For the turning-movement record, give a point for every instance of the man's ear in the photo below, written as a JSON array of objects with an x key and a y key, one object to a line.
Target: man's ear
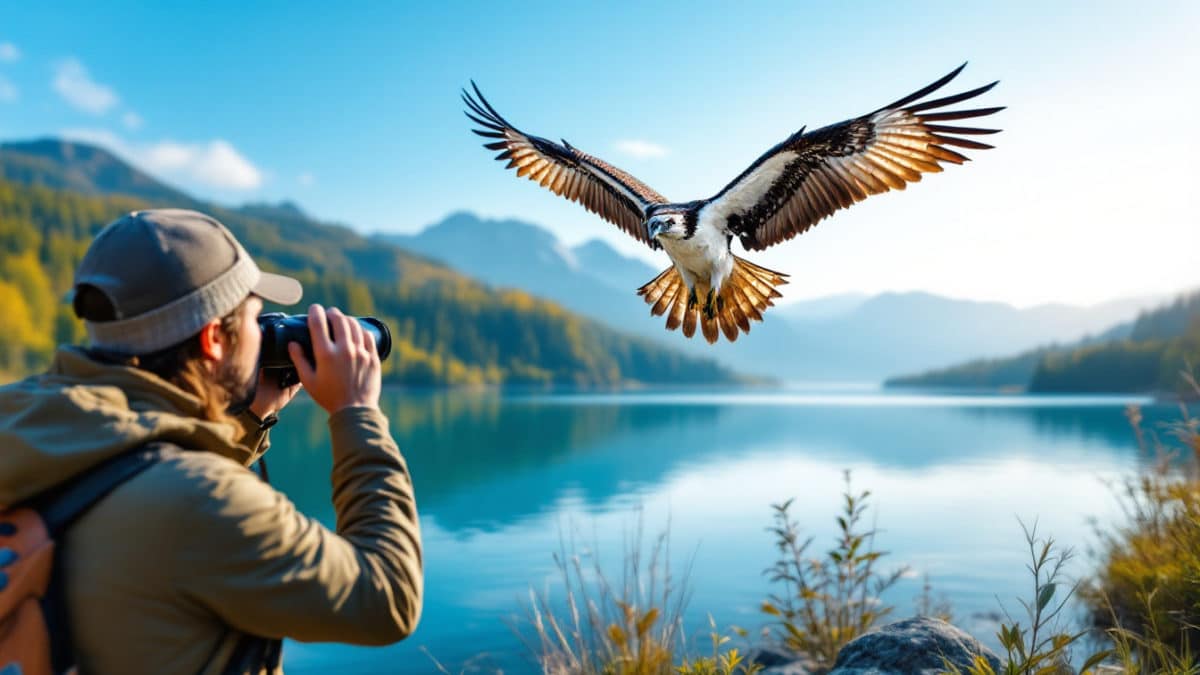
[{"x": 212, "y": 341}]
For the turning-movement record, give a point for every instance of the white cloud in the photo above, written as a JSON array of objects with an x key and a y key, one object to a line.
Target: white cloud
[
  {"x": 212, "y": 164},
  {"x": 168, "y": 156},
  {"x": 73, "y": 83},
  {"x": 8, "y": 91},
  {"x": 306, "y": 179},
  {"x": 219, "y": 164},
  {"x": 9, "y": 52},
  {"x": 641, "y": 149},
  {"x": 131, "y": 120}
]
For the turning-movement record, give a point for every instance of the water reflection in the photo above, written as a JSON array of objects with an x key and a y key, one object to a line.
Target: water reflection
[
  {"x": 497, "y": 475},
  {"x": 482, "y": 462}
]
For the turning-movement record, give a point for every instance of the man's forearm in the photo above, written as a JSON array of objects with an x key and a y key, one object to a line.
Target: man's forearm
[{"x": 376, "y": 510}]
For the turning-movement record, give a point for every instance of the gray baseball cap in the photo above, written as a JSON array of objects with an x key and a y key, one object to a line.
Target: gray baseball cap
[{"x": 168, "y": 272}]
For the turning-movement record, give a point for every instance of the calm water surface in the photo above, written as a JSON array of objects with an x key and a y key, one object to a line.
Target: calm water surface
[{"x": 502, "y": 478}]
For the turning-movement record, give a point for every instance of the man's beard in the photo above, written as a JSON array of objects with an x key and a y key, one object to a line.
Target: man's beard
[{"x": 239, "y": 387}]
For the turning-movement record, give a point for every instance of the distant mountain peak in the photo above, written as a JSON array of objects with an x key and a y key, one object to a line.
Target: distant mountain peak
[
  {"x": 598, "y": 249},
  {"x": 510, "y": 230},
  {"x": 822, "y": 308},
  {"x": 82, "y": 167},
  {"x": 602, "y": 261},
  {"x": 597, "y": 246},
  {"x": 286, "y": 208},
  {"x": 61, "y": 150}
]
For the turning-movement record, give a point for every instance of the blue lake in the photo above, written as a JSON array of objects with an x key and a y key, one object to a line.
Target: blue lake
[{"x": 503, "y": 478}]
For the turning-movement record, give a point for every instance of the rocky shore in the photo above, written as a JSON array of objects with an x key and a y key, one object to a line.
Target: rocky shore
[{"x": 917, "y": 646}]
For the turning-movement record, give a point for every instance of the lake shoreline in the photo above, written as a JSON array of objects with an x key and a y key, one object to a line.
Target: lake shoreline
[{"x": 1159, "y": 397}]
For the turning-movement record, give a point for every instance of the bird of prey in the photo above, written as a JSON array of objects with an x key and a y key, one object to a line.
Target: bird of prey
[{"x": 787, "y": 190}]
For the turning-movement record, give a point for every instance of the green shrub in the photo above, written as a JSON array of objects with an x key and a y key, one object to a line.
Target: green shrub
[
  {"x": 1146, "y": 591},
  {"x": 827, "y": 601},
  {"x": 1041, "y": 646}
]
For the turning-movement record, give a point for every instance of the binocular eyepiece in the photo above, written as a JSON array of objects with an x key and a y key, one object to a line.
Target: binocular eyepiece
[{"x": 278, "y": 329}]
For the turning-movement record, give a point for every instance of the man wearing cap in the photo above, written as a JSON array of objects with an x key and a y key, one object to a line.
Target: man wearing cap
[{"x": 196, "y": 565}]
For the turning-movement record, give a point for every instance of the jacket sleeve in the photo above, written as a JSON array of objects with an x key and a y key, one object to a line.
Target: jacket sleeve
[{"x": 264, "y": 568}]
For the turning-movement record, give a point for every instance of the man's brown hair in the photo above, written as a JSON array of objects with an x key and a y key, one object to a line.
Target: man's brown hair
[{"x": 181, "y": 364}]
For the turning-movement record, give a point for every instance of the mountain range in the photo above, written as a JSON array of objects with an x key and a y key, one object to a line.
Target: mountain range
[
  {"x": 848, "y": 337},
  {"x": 446, "y": 328},
  {"x": 844, "y": 337}
]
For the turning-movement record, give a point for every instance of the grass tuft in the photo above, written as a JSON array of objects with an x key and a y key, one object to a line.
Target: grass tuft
[{"x": 631, "y": 627}]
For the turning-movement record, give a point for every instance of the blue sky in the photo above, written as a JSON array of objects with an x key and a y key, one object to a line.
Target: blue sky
[{"x": 353, "y": 112}]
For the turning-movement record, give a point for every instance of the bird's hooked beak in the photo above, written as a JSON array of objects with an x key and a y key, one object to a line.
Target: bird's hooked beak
[{"x": 657, "y": 226}]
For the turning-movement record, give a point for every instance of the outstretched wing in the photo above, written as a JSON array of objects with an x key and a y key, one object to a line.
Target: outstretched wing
[
  {"x": 599, "y": 186},
  {"x": 810, "y": 175}
]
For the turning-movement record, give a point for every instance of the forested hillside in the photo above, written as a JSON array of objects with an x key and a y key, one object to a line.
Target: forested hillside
[
  {"x": 1008, "y": 373},
  {"x": 1145, "y": 355},
  {"x": 447, "y": 328},
  {"x": 1163, "y": 342}
]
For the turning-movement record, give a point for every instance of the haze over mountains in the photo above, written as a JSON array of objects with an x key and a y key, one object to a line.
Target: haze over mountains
[{"x": 850, "y": 337}]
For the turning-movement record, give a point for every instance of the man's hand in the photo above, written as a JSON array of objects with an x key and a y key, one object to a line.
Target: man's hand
[
  {"x": 269, "y": 398},
  {"x": 347, "y": 371}
]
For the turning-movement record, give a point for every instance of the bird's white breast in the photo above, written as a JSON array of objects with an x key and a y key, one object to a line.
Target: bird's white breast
[{"x": 704, "y": 255}]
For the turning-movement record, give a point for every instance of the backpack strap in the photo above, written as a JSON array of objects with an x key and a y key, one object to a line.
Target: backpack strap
[
  {"x": 63, "y": 505},
  {"x": 60, "y": 508},
  {"x": 253, "y": 654}
]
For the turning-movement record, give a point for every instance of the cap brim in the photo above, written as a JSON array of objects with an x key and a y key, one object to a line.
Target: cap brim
[{"x": 278, "y": 289}]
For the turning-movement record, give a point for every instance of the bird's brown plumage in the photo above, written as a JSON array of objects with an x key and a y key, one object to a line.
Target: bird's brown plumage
[
  {"x": 834, "y": 167},
  {"x": 598, "y": 186},
  {"x": 748, "y": 293}
]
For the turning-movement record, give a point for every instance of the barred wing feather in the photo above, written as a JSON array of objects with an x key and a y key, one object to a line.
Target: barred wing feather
[
  {"x": 809, "y": 176},
  {"x": 566, "y": 171}
]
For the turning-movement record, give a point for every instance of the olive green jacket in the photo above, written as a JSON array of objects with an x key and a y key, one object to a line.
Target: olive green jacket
[{"x": 167, "y": 573}]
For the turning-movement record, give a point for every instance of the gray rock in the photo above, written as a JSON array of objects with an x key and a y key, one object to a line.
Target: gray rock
[
  {"x": 770, "y": 655},
  {"x": 910, "y": 647},
  {"x": 779, "y": 661},
  {"x": 795, "y": 668}
]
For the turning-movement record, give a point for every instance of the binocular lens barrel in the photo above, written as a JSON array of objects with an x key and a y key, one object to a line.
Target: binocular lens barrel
[{"x": 278, "y": 329}]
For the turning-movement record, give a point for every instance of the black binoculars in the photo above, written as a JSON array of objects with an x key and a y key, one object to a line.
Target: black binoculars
[{"x": 278, "y": 329}]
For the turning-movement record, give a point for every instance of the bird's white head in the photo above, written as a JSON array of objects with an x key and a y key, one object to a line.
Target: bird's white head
[{"x": 667, "y": 225}]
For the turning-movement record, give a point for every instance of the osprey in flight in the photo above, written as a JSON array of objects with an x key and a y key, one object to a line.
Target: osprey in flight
[{"x": 782, "y": 194}]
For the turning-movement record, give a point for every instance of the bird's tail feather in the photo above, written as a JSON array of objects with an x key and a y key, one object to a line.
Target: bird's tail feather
[{"x": 747, "y": 293}]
